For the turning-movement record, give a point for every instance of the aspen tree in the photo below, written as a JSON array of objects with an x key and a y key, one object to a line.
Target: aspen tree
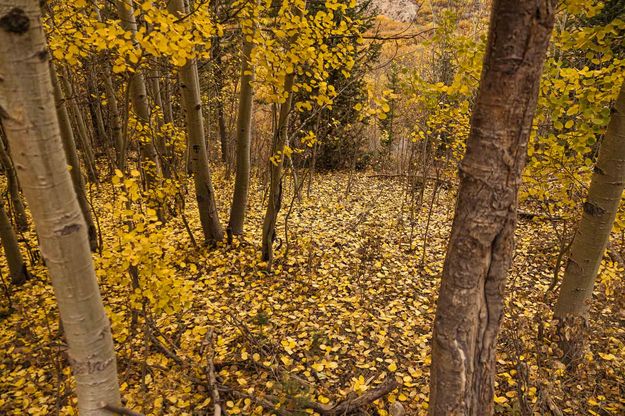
[
  {"x": 593, "y": 233},
  {"x": 21, "y": 221},
  {"x": 244, "y": 133},
  {"x": 205, "y": 194},
  {"x": 138, "y": 95},
  {"x": 280, "y": 140},
  {"x": 71, "y": 155},
  {"x": 17, "y": 266},
  {"x": 31, "y": 126},
  {"x": 82, "y": 132},
  {"x": 111, "y": 99},
  {"x": 470, "y": 303}
]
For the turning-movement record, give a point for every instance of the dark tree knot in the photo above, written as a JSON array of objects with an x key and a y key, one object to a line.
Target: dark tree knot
[
  {"x": 15, "y": 21},
  {"x": 593, "y": 209},
  {"x": 68, "y": 229},
  {"x": 598, "y": 170}
]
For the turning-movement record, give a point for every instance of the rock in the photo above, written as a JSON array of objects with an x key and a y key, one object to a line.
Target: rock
[{"x": 396, "y": 409}]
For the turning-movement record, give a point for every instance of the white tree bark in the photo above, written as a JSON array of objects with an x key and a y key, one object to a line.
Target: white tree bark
[{"x": 28, "y": 115}]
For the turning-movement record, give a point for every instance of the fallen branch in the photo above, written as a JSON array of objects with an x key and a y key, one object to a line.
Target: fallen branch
[
  {"x": 343, "y": 407},
  {"x": 212, "y": 380},
  {"x": 272, "y": 407},
  {"x": 364, "y": 399}
]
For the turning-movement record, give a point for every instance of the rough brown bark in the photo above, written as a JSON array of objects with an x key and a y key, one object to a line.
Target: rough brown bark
[
  {"x": 27, "y": 113},
  {"x": 470, "y": 304},
  {"x": 593, "y": 233}
]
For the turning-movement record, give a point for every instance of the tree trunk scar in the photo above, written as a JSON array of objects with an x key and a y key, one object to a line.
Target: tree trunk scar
[
  {"x": 68, "y": 229},
  {"x": 593, "y": 209},
  {"x": 15, "y": 21}
]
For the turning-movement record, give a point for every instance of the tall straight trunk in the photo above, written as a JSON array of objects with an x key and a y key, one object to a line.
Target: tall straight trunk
[
  {"x": 17, "y": 266},
  {"x": 95, "y": 107},
  {"x": 138, "y": 95},
  {"x": 82, "y": 132},
  {"x": 168, "y": 114},
  {"x": 111, "y": 99},
  {"x": 160, "y": 140},
  {"x": 280, "y": 139},
  {"x": 470, "y": 303},
  {"x": 216, "y": 53},
  {"x": 27, "y": 113},
  {"x": 593, "y": 232},
  {"x": 116, "y": 122},
  {"x": 204, "y": 192},
  {"x": 69, "y": 147},
  {"x": 21, "y": 220},
  {"x": 244, "y": 130}
]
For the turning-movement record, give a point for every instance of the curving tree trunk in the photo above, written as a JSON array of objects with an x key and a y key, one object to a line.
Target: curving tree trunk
[
  {"x": 21, "y": 220},
  {"x": 244, "y": 131},
  {"x": 470, "y": 303},
  {"x": 17, "y": 266},
  {"x": 593, "y": 233},
  {"x": 205, "y": 194},
  {"x": 27, "y": 113},
  {"x": 280, "y": 139},
  {"x": 69, "y": 146}
]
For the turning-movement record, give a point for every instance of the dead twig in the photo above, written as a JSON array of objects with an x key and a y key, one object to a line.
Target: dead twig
[{"x": 212, "y": 379}]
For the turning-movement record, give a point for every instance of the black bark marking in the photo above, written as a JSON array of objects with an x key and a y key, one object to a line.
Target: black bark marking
[
  {"x": 598, "y": 170},
  {"x": 68, "y": 229},
  {"x": 593, "y": 209},
  {"x": 15, "y": 21},
  {"x": 42, "y": 55}
]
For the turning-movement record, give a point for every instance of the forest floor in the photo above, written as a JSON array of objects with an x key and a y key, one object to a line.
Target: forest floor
[{"x": 349, "y": 305}]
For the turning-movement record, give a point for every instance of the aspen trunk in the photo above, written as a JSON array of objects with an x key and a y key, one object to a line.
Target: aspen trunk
[
  {"x": 116, "y": 121},
  {"x": 17, "y": 267},
  {"x": 21, "y": 220},
  {"x": 95, "y": 107},
  {"x": 111, "y": 98},
  {"x": 275, "y": 173},
  {"x": 27, "y": 112},
  {"x": 593, "y": 233},
  {"x": 82, "y": 132},
  {"x": 470, "y": 303},
  {"x": 161, "y": 145},
  {"x": 69, "y": 146},
  {"x": 244, "y": 130},
  {"x": 205, "y": 194},
  {"x": 138, "y": 95},
  {"x": 168, "y": 114},
  {"x": 221, "y": 119}
]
